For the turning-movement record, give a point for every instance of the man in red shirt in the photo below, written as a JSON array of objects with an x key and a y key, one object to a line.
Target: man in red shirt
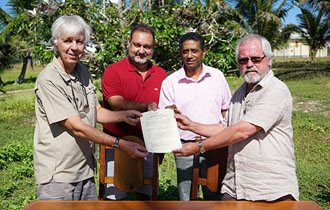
[{"x": 132, "y": 84}]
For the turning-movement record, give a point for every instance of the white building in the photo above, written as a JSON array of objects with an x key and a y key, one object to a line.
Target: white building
[{"x": 296, "y": 48}]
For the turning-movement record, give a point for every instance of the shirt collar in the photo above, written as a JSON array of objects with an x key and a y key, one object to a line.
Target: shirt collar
[
  {"x": 184, "y": 78},
  {"x": 65, "y": 76},
  {"x": 130, "y": 66},
  {"x": 261, "y": 83},
  {"x": 266, "y": 78}
]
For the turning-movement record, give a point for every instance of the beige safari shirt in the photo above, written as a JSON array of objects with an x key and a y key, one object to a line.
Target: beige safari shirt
[
  {"x": 262, "y": 167},
  {"x": 59, "y": 155}
]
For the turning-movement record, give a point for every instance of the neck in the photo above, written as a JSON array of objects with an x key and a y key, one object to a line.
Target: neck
[
  {"x": 250, "y": 86},
  {"x": 193, "y": 73},
  {"x": 67, "y": 67},
  {"x": 141, "y": 68}
]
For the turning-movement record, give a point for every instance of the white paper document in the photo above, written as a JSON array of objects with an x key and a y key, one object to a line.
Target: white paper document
[{"x": 160, "y": 131}]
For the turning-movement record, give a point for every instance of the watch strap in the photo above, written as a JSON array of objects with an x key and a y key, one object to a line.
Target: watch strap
[{"x": 116, "y": 145}]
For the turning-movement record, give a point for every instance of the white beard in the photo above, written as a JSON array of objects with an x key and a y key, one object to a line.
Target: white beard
[{"x": 254, "y": 78}]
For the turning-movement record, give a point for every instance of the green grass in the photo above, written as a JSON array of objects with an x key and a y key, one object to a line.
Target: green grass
[
  {"x": 312, "y": 138},
  {"x": 9, "y": 77},
  {"x": 17, "y": 187},
  {"x": 310, "y": 121}
]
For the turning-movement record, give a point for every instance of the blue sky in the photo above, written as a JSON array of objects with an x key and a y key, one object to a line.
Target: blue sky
[{"x": 291, "y": 18}]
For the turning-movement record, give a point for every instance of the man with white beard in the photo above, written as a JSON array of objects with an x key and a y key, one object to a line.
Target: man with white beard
[{"x": 257, "y": 131}]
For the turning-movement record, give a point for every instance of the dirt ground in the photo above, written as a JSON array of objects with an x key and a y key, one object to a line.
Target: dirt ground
[{"x": 311, "y": 106}]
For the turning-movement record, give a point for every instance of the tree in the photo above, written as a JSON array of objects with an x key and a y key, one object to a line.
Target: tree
[
  {"x": 18, "y": 38},
  {"x": 264, "y": 17},
  {"x": 110, "y": 28},
  {"x": 6, "y": 50},
  {"x": 319, "y": 5},
  {"x": 314, "y": 28}
]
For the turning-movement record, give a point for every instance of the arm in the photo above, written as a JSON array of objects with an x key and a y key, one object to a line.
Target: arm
[
  {"x": 185, "y": 123},
  {"x": 84, "y": 131},
  {"x": 227, "y": 136},
  {"x": 103, "y": 115},
  {"x": 119, "y": 103}
]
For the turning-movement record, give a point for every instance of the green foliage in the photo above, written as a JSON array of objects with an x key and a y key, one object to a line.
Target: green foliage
[
  {"x": 111, "y": 30},
  {"x": 167, "y": 179},
  {"x": 17, "y": 186},
  {"x": 314, "y": 29},
  {"x": 263, "y": 18}
]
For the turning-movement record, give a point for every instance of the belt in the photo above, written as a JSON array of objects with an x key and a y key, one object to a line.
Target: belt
[{"x": 183, "y": 141}]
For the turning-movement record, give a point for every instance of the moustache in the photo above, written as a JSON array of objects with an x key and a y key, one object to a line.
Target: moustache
[
  {"x": 142, "y": 55},
  {"x": 253, "y": 69}
]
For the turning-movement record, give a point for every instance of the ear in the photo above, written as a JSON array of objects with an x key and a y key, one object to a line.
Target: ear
[
  {"x": 204, "y": 51},
  {"x": 269, "y": 62},
  {"x": 128, "y": 41}
]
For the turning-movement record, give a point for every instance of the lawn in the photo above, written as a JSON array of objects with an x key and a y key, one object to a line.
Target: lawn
[{"x": 311, "y": 137}]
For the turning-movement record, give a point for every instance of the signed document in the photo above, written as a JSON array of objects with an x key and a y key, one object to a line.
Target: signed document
[{"x": 160, "y": 131}]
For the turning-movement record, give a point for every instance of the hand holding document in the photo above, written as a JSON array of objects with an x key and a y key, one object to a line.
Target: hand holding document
[{"x": 160, "y": 131}]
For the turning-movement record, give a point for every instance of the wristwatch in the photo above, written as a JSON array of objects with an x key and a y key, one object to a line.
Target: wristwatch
[
  {"x": 201, "y": 148},
  {"x": 116, "y": 145}
]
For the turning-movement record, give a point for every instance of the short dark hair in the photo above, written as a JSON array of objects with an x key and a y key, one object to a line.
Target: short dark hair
[
  {"x": 192, "y": 36},
  {"x": 143, "y": 28}
]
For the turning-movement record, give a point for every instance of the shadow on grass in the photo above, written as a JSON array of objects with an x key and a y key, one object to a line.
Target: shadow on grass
[
  {"x": 29, "y": 80},
  {"x": 325, "y": 193},
  {"x": 302, "y": 73}
]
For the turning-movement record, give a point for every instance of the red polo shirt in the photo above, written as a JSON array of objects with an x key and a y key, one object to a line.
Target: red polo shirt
[{"x": 121, "y": 78}]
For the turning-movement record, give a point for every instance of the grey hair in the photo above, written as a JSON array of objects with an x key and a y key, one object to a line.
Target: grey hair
[
  {"x": 265, "y": 45},
  {"x": 70, "y": 26}
]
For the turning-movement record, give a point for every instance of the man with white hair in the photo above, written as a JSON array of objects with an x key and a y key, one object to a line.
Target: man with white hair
[
  {"x": 67, "y": 110},
  {"x": 258, "y": 131}
]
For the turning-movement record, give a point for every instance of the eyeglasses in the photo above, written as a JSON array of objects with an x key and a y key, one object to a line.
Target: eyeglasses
[{"x": 255, "y": 60}]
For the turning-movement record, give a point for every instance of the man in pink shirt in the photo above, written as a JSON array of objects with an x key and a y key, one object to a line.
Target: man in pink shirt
[{"x": 199, "y": 92}]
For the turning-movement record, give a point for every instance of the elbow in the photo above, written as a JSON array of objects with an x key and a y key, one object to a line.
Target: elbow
[
  {"x": 247, "y": 131},
  {"x": 76, "y": 127}
]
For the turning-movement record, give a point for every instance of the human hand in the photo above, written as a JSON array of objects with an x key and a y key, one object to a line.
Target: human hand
[
  {"x": 152, "y": 106},
  {"x": 183, "y": 122},
  {"x": 133, "y": 149},
  {"x": 174, "y": 108},
  {"x": 187, "y": 149},
  {"x": 132, "y": 117}
]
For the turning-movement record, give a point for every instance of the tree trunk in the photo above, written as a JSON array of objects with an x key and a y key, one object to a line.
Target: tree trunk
[
  {"x": 120, "y": 11},
  {"x": 312, "y": 55},
  {"x": 21, "y": 76},
  {"x": 141, "y": 5},
  {"x": 150, "y": 5}
]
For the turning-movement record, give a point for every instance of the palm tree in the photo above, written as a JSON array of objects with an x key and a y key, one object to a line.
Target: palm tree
[
  {"x": 7, "y": 34},
  {"x": 6, "y": 49},
  {"x": 314, "y": 28},
  {"x": 320, "y": 5},
  {"x": 264, "y": 17}
]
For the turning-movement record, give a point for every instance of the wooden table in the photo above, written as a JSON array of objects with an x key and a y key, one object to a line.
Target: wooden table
[{"x": 170, "y": 205}]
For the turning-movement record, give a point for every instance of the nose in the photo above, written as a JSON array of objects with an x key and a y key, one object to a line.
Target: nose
[
  {"x": 74, "y": 45},
  {"x": 142, "y": 50},
  {"x": 250, "y": 63},
  {"x": 190, "y": 54}
]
